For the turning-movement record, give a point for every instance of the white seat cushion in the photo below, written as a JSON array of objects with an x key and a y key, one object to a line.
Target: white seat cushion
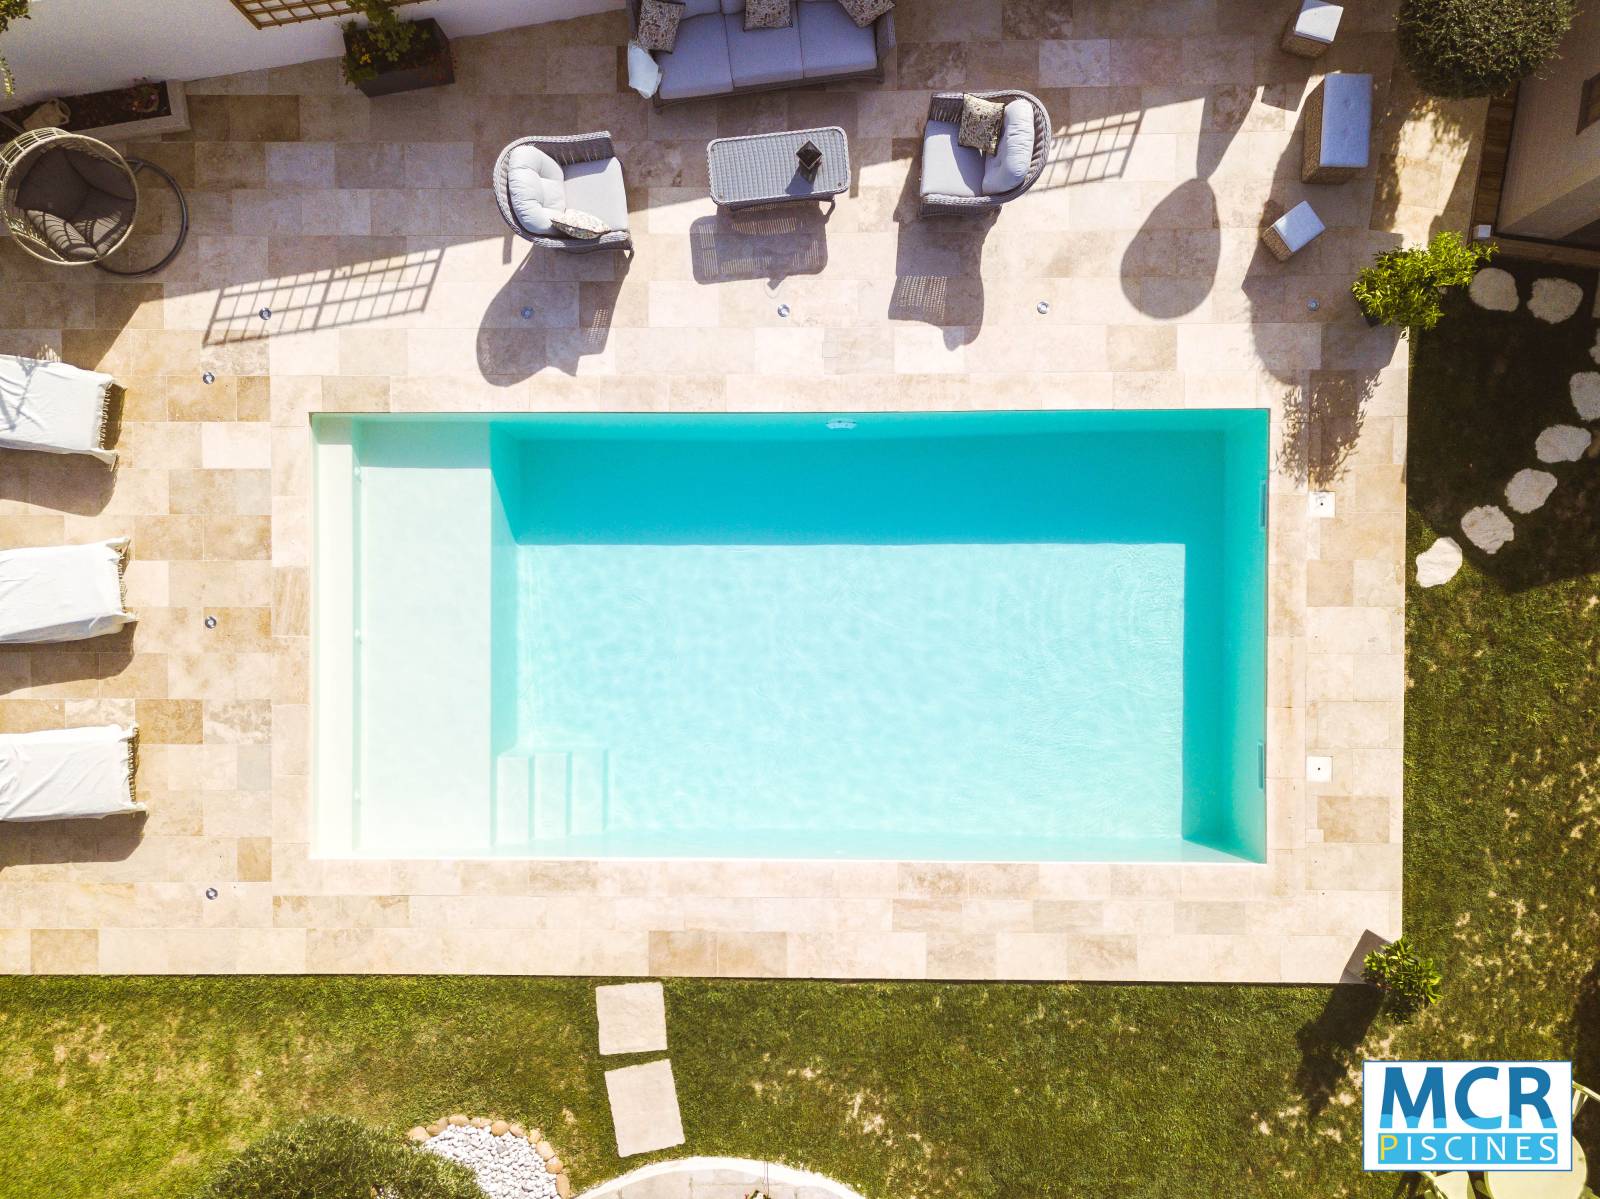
[
  {"x": 698, "y": 63},
  {"x": 831, "y": 43},
  {"x": 597, "y": 188},
  {"x": 1299, "y": 227},
  {"x": 757, "y": 56},
  {"x": 949, "y": 168},
  {"x": 1318, "y": 20},
  {"x": 1346, "y": 120},
  {"x": 1008, "y": 167},
  {"x": 54, "y": 407},
  {"x": 534, "y": 188}
]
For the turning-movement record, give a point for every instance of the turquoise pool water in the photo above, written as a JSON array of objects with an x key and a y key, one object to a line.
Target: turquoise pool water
[{"x": 961, "y": 636}]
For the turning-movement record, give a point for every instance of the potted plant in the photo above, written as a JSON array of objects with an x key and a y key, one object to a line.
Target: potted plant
[
  {"x": 1402, "y": 287},
  {"x": 389, "y": 55},
  {"x": 10, "y": 10},
  {"x": 1408, "y": 980}
]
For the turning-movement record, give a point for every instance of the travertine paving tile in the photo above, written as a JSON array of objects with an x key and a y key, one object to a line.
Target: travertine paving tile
[{"x": 368, "y": 230}]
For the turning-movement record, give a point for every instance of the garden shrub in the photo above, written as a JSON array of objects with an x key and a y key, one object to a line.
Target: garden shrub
[
  {"x": 1463, "y": 48},
  {"x": 1407, "y": 979},
  {"x": 330, "y": 1157},
  {"x": 1403, "y": 287}
]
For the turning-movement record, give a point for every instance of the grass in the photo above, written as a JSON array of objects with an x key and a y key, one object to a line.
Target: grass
[{"x": 140, "y": 1087}]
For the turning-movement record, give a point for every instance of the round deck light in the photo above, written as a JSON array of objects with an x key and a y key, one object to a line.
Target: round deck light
[
  {"x": 265, "y": 314},
  {"x": 211, "y": 622},
  {"x": 1313, "y": 304},
  {"x": 211, "y": 892},
  {"x": 783, "y": 310},
  {"x": 526, "y": 314},
  {"x": 1042, "y": 307},
  {"x": 208, "y": 378}
]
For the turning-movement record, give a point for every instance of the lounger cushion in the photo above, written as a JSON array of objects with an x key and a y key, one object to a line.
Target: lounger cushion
[
  {"x": 534, "y": 187},
  {"x": 758, "y": 56},
  {"x": 831, "y": 43},
  {"x": 65, "y": 774},
  {"x": 1318, "y": 20},
  {"x": 1008, "y": 166},
  {"x": 698, "y": 64},
  {"x": 597, "y": 188},
  {"x": 61, "y": 592},
  {"x": 53, "y": 407},
  {"x": 949, "y": 168}
]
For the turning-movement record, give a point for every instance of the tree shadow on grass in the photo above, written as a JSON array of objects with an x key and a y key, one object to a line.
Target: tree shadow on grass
[
  {"x": 1484, "y": 386},
  {"x": 1329, "y": 1044}
]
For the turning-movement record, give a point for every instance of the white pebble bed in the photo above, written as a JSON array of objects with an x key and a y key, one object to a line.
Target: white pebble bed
[{"x": 507, "y": 1166}]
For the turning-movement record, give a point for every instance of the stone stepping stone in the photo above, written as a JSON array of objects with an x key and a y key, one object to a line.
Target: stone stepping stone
[
  {"x": 1488, "y": 528},
  {"x": 1438, "y": 563},
  {"x": 1562, "y": 443},
  {"x": 1494, "y": 289},
  {"x": 1586, "y": 394},
  {"x": 633, "y": 1018},
  {"x": 1554, "y": 300},
  {"x": 1529, "y": 489},
  {"x": 644, "y": 1108}
]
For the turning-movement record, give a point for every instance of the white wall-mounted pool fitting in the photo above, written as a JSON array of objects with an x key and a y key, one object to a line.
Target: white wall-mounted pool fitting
[
  {"x": 1319, "y": 770},
  {"x": 1320, "y": 504}
]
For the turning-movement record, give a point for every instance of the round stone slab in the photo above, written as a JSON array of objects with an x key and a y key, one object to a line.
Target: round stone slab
[
  {"x": 1554, "y": 300},
  {"x": 1529, "y": 489},
  {"x": 1494, "y": 289},
  {"x": 1562, "y": 443},
  {"x": 1439, "y": 562},
  {"x": 1488, "y": 528},
  {"x": 1586, "y": 394}
]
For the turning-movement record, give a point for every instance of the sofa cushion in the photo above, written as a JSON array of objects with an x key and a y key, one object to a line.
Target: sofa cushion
[
  {"x": 534, "y": 188},
  {"x": 571, "y": 222},
  {"x": 865, "y": 12},
  {"x": 52, "y": 185},
  {"x": 981, "y": 121},
  {"x": 831, "y": 43},
  {"x": 698, "y": 64},
  {"x": 1009, "y": 164},
  {"x": 596, "y": 187},
  {"x": 759, "y": 56},
  {"x": 702, "y": 8},
  {"x": 732, "y": 6},
  {"x": 949, "y": 168}
]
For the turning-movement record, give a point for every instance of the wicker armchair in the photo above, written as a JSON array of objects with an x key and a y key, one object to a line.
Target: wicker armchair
[
  {"x": 946, "y": 106},
  {"x": 567, "y": 150}
]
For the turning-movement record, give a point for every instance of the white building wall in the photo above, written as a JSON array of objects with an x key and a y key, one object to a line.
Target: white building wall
[
  {"x": 75, "y": 46},
  {"x": 1552, "y": 185}
]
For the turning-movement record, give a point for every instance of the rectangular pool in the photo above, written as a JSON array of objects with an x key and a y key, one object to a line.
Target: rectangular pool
[{"x": 961, "y": 636}]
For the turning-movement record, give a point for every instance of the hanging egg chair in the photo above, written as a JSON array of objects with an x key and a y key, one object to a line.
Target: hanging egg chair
[{"x": 71, "y": 200}]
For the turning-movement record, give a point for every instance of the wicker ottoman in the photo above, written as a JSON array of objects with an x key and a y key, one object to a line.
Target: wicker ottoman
[
  {"x": 1311, "y": 30},
  {"x": 1293, "y": 231},
  {"x": 1338, "y": 129}
]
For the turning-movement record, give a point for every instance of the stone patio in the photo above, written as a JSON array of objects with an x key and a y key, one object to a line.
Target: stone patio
[{"x": 368, "y": 230}]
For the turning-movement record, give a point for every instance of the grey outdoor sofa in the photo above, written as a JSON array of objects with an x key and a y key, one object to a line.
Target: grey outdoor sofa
[
  {"x": 579, "y": 170},
  {"x": 716, "y": 56},
  {"x": 952, "y": 177}
]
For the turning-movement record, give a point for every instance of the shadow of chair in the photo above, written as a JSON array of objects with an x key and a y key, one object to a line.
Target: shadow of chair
[
  {"x": 764, "y": 243},
  {"x": 511, "y": 352},
  {"x": 938, "y": 276}
]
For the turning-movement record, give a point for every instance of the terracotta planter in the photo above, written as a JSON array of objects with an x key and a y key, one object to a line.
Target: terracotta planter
[{"x": 430, "y": 65}]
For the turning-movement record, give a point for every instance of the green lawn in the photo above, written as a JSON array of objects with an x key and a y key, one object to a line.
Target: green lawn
[{"x": 138, "y": 1087}]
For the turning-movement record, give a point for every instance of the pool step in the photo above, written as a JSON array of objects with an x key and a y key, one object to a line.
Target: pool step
[{"x": 548, "y": 794}]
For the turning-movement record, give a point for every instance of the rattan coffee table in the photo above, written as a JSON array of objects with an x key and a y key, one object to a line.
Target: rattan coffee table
[{"x": 762, "y": 169}]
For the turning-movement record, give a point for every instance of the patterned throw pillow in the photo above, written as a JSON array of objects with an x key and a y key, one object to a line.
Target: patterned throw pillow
[
  {"x": 865, "y": 12},
  {"x": 583, "y": 225},
  {"x": 768, "y": 14},
  {"x": 980, "y": 123},
  {"x": 658, "y": 23}
]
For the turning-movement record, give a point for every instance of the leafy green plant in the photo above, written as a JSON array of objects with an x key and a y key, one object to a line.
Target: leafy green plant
[
  {"x": 385, "y": 41},
  {"x": 1462, "y": 48},
  {"x": 10, "y": 10},
  {"x": 331, "y": 1157},
  {"x": 1403, "y": 287},
  {"x": 1410, "y": 980}
]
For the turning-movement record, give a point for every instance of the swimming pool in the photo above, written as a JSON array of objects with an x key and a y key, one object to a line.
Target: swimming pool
[{"x": 957, "y": 636}]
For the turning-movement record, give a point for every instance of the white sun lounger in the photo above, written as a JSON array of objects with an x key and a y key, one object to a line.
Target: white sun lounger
[
  {"x": 53, "y": 407},
  {"x": 62, "y": 592},
  {"x": 67, "y": 774}
]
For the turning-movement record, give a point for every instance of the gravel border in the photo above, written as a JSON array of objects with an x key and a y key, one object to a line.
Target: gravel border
[{"x": 510, "y": 1161}]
